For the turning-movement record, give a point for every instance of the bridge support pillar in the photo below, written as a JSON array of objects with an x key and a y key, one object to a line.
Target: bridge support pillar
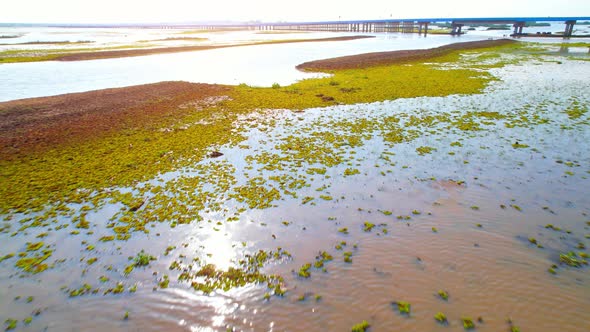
[
  {"x": 422, "y": 26},
  {"x": 569, "y": 28},
  {"x": 518, "y": 26},
  {"x": 456, "y": 28}
]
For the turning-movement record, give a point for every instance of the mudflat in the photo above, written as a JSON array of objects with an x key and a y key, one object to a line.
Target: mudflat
[
  {"x": 394, "y": 57},
  {"x": 38, "y": 123}
]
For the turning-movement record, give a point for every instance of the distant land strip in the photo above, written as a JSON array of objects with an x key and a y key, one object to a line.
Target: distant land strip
[
  {"x": 394, "y": 57},
  {"x": 161, "y": 50}
]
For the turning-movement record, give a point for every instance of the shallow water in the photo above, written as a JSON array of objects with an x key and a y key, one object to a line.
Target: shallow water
[
  {"x": 253, "y": 65},
  {"x": 261, "y": 65},
  {"x": 489, "y": 270}
]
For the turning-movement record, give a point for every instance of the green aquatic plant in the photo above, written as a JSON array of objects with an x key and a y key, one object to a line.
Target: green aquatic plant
[
  {"x": 304, "y": 271},
  {"x": 34, "y": 246},
  {"x": 34, "y": 264},
  {"x": 351, "y": 171},
  {"x": 347, "y": 257},
  {"x": 361, "y": 327},
  {"x": 423, "y": 150},
  {"x": 571, "y": 259},
  {"x": 367, "y": 226},
  {"x": 168, "y": 250},
  {"x": 142, "y": 259},
  {"x": 5, "y": 257},
  {"x": 307, "y": 199},
  {"x": 440, "y": 317},
  {"x": 443, "y": 295},
  {"x": 164, "y": 282},
  {"x": 467, "y": 323},
  {"x": 12, "y": 323},
  {"x": 403, "y": 307},
  {"x": 84, "y": 289},
  {"x": 107, "y": 238},
  {"x": 518, "y": 145},
  {"x": 343, "y": 230},
  {"x": 550, "y": 226}
]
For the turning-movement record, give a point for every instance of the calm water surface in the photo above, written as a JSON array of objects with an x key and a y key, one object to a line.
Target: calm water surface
[{"x": 253, "y": 65}]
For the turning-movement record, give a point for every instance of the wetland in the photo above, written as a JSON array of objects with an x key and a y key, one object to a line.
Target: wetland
[{"x": 429, "y": 190}]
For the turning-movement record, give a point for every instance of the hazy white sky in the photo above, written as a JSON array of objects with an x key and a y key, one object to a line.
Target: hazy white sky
[{"x": 133, "y": 11}]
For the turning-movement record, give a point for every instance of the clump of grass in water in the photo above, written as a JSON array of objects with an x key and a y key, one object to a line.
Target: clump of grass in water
[
  {"x": 403, "y": 307},
  {"x": 361, "y": 327},
  {"x": 304, "y": 271},
  {"x": 424, "y": 150},
  {"x": 571, "y": 259},
  {"x": 468, "y": 323},
  {"x": 347, "y": 257},
  {"x": 440, "y": 317},
  {"x": 142, "y": 259},
  {"x": 443, "y": 295},
  {"x": 367, "y": 226}
]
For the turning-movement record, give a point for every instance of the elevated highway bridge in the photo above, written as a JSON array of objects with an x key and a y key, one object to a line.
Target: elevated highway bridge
[{"x": 419, "y": 25}]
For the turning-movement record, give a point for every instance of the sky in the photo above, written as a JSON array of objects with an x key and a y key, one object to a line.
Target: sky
[{"x": 152, "y": 11}]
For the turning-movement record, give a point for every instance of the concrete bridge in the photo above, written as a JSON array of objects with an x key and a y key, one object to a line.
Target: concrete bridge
[{"x": 419, "y": 25}]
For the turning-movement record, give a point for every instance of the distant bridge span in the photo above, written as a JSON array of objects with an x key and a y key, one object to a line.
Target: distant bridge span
[{"x": 404, "y": 25}]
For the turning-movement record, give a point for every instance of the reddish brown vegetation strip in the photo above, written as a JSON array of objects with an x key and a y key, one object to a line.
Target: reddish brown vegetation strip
[
  {"x": 161, "y": 50},
  {"x": 393, "y": 57},
  {"x": 36, "y": 124}
]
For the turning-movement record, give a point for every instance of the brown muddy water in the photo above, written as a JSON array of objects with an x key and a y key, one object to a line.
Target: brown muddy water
[{"x": 457, "y": 205}]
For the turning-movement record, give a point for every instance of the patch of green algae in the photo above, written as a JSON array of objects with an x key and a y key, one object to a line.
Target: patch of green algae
[
  {"x": 85, "y": 174},
  {"x": 74, "y": 173}
]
